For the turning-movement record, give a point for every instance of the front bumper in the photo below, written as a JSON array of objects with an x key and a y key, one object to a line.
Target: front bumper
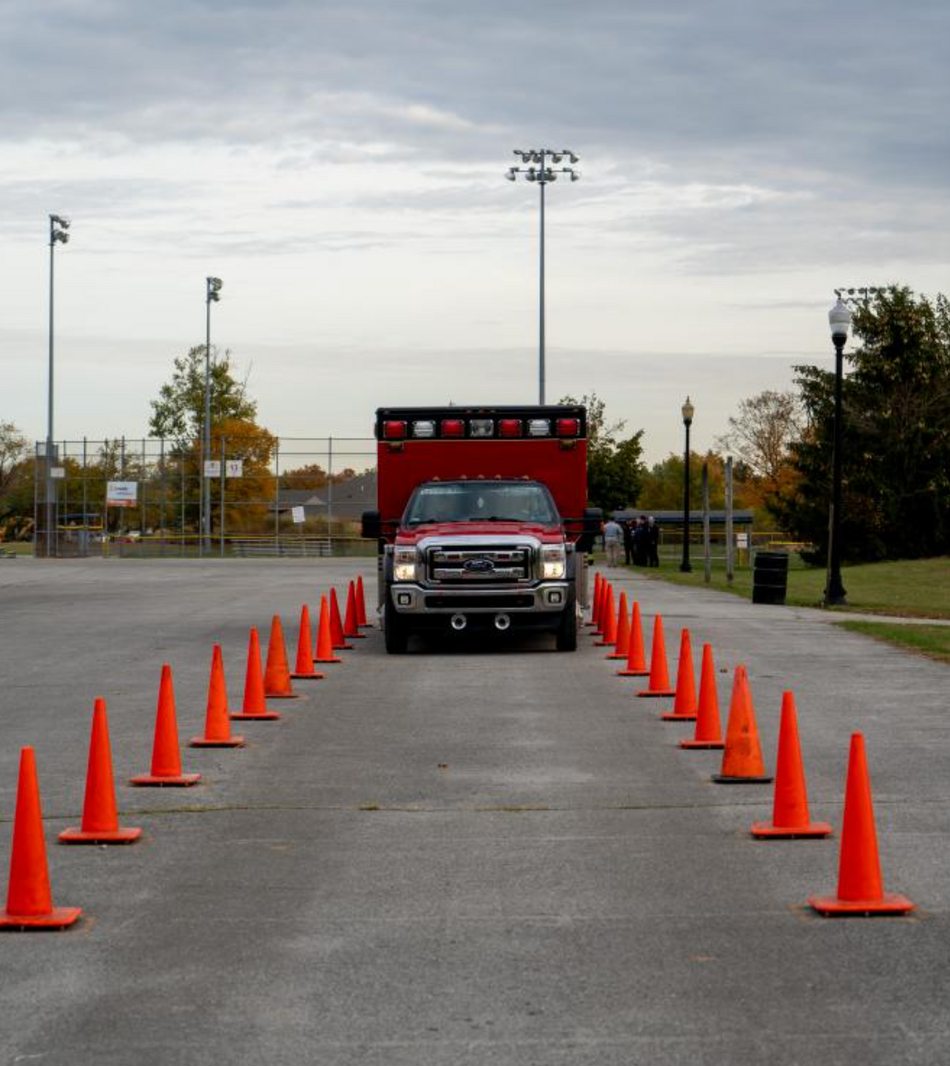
[{"x": 415, "y": 600}]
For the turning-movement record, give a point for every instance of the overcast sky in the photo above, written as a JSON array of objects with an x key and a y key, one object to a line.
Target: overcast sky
[{"x": 340, "y": 166}]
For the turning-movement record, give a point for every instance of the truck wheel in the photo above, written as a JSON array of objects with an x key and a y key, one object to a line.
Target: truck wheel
[
  {"x": 567, "y": 630},
  {"x": 395, "y": 631}
]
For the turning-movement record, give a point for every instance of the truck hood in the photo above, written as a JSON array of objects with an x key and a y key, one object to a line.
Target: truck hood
[{"x": 545, "y": 534}]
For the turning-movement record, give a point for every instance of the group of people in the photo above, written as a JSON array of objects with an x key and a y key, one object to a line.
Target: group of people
[{"x": 640, "y": 537}]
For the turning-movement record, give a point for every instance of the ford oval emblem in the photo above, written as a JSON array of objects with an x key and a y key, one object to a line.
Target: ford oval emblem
[{"x": 479, "y": 566}]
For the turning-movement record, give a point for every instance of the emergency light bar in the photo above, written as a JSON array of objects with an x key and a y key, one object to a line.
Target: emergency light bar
[{"x": 506, "y": 423}]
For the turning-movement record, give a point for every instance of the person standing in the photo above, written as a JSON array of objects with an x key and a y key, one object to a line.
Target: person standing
[
  {"x": 640, "y": 549},
  {"x": 612, "y": 535},
  {"x": 628, "y": 541},
  {"x": 653, "y": 541}
]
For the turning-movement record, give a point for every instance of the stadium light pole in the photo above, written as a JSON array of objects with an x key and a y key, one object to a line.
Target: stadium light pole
[
  {"x": 688, "y": 410},
  {"x": 57, "y": 232},
  {"x": 839, "y": 319},
  {"x": 212, "y": 295},
  {"x": 542, "y": 172}
]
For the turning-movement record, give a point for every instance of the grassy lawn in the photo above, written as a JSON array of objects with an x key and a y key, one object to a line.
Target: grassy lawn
[
  {"x": 917, "y": 588},
  {"x": 932, "y": 641}
]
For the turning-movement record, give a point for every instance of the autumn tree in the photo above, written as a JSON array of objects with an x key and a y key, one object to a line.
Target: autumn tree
[{"x": 761, "y": 434}]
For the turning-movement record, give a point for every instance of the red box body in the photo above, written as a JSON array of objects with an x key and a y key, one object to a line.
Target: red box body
[{"x": 557, "y": 462}]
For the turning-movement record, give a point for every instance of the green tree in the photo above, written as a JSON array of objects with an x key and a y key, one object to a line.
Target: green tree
[
  {"x": 178, "y": 413},
  {"x": 16, "y": 482},
  {"x": 896, "y": 435},
  {"x": 614, "y": 463},
  {"x": 12, "y": 450}
]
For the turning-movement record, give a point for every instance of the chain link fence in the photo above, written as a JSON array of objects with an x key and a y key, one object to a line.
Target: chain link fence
[{"x": 250, "y": 495}]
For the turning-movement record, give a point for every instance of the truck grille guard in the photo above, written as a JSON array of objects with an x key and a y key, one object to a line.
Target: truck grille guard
[{"x": 471, "y": 561}]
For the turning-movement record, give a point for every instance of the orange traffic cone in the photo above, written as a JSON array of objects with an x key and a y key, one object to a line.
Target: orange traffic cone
[
  {"x": 361, "y": 604},
  {"x": 622, "y": 646},
  {"x": 325, "y": 636},
  {"x": 860, "y": 886},
  {"x": 790, "y": 806},
  {"x": 351, "y": 625},
  {"x": 29, "y": 900},
  {"x": 595, "y": 601},
  {"x": 304, "y": 667},
  {"x": 636, "y": 656},
  {"x": 100, "y": 819},
  {"x": 609, "y": 633},
  {"x": 277, "y": 684},
  {"x": 742, "y": 756},
  {"x": 336, "y": 625},
  {"x": 217, "y": 732},
  {"x": 659, "y": 677},
  {"x": 166, "y": 757},
  {"x": 254, "y": 708},
  {"x": 684, "y": 706},
  {"x": 708, "y": 732}
]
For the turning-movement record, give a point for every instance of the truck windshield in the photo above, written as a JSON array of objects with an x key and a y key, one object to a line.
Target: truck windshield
[{"x": 519, "y": 501}]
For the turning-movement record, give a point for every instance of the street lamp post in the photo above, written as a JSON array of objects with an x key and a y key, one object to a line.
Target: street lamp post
[
  {"x": 212, "y": 295},
  {"x": 839, "y": 318},
  {"x": 542, "y": 172},
  {"x": 688, "y": 411},
  {"x": 57, "y": 232}
]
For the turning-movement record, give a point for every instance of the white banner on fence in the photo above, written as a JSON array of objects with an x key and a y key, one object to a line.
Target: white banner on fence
[
  {"x": 297, "y": 514},
  {"x": 234, "y": 468},
  {"x": 57, "y": 472},
  {"x": 212, "y": 468},
  {"x": 122, "y": 493}
]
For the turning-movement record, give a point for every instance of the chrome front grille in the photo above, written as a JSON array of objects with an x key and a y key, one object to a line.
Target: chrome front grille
[{"x": 468, "y": 565}]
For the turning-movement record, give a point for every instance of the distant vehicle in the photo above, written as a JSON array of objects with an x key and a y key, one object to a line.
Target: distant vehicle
[{"x": 482, "y": 520}]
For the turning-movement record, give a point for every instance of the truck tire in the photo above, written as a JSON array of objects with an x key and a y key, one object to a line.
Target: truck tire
[
  {"x": 395, "y": 630},
  {"x": 567, "y": 630}
]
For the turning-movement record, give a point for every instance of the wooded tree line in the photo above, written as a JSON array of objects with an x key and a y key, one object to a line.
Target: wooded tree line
[{"x": 895, "y": 455}]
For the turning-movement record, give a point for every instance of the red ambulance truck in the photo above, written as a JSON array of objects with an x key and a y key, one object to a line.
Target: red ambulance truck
[{"x": 482, "y": 520}]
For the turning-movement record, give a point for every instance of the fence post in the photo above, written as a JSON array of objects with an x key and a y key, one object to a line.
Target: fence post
[
  {"x": 330, "y": 495},
  {"x": 730, "y": 538},
  {"x": 221, "y": 517},
  {"x": 36, "y": 494},
  {"x": 85, "y": 498},
  {"x": 277, "y": 495},
  {"x": 707, "y": 547},
  {"x": 162, "y": 490}
]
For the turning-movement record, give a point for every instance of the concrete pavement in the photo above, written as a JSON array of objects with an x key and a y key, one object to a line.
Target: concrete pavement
[{"x": 478, "y": 855}]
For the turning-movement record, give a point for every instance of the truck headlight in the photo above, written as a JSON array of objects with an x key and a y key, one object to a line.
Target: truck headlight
[
  {"x": 404, "y": 564},
  {"x": 553, "y": 561}
]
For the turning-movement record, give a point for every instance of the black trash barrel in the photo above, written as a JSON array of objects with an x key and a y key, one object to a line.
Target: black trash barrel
[{"x": 770, "y": 577}]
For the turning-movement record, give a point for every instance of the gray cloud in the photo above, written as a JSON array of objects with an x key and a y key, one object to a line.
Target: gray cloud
[{"x": 851, "y": 88}]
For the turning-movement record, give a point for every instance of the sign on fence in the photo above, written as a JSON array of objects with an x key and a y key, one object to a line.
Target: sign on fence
[
  {"x": 57, "y": 472},
  {"x": 122, "y": 493},
  {"x": 212, "y": 468},
  {"x": 297, "y": 514},
  {"x": 234, "y": 468},
  {"x": 742, "y": 540}
]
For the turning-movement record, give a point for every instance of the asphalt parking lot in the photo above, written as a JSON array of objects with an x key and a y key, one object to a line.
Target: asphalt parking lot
[{"x": 463, "y": 855}]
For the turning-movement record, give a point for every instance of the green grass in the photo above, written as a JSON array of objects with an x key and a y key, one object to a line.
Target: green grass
[
  {"x": 18, "y": 547},
  {"x": 932, "y": 641},
  {"x": 917, "y": 588}
]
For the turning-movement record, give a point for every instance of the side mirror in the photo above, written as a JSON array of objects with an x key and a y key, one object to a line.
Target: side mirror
[
  {"x": 593, "y": 516},
  {"x": 372, "y": 525}
]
